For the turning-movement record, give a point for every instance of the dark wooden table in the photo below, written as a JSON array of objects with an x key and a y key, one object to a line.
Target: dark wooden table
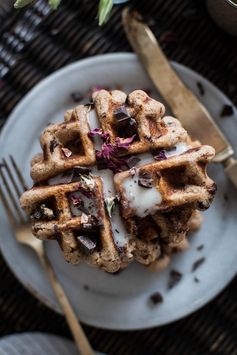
[{"x": 34, "y": 43}]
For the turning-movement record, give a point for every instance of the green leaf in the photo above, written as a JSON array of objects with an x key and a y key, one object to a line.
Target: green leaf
[
  {"x": 54, "y": 4},
  {"x": 105, "y": 8},
  {"x": 22, "y": 3},
  {"x": 110, "y": 203}
]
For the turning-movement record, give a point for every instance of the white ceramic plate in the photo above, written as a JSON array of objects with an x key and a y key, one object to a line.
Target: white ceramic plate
[
  {"x": 36, "y": 344},
  {"x": 121, "y": 301}
]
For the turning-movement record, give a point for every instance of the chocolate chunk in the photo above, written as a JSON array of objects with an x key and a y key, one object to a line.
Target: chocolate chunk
[
  {"x": 196, "y": 279},
  {"x": 87, "y": 226},
  {"x": 121, "y": 113},
  {"x": 77, "y": 96},
  {"x": 200, "y": 88},
  {"x": 127, "y": 127},
  {"x": 78, "y": 170},
  {"x": 53, "y": 144},
  {"x": 227, "y": 110},
  {"x": 67, "y": 152},
  {"x": 145, "y": 180},
  {"x": 132, "y": 161},
  {"x": 175, "y": 277},
  {"x": 156, "y": 298},
  {"x": 87, "y": 243},
  {"x": 197, "y": 263},
  {"x": 200, "y": 247},
  {"x": 42, "y": 212}
]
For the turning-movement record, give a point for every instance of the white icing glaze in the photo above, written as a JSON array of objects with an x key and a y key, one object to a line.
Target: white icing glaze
[
  {"x": 118, "y": 228},
  {"x": 94, "y": 123},
  {"x": 143, "y": 200},
  {"x": 178, "y": 149}
]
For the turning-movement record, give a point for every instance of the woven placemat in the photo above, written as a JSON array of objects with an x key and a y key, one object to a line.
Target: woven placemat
[{"x": 35, "y": 42}]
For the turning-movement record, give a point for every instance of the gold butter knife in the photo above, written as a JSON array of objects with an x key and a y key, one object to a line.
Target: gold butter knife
[{"x": 183, "y": 103}]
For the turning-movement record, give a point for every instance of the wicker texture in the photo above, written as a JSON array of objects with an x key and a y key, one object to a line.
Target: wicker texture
[{"x": 34, "y": 43}]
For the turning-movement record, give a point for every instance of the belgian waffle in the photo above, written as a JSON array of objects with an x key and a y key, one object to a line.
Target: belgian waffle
[
  {"x": 57, "y": 213},
  {"x": 137, "y": 114},
  {"x": 67, "y": 201}
]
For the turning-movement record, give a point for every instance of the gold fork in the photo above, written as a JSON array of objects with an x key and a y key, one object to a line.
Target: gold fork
[{"x": 21, "y": 226}]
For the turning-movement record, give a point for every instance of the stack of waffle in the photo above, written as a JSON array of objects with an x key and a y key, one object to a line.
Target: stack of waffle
[{"x": 118, "y": 181}]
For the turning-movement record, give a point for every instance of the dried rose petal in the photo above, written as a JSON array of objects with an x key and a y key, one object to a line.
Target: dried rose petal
[
  {"x": 160, "y": 155},
  {"x": 66, "y": 152},
  {"x": 98, "y": 132},
  {"x": 124, "y": 143},
  {"x": 76, "y": 201}
]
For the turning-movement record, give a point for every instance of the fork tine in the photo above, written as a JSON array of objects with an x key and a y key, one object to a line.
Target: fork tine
[
  {"x": 11, "y": 196},
  {"x": 19, "y": 174},
  {"x": 10, "y": 214},
  {"x": 11, "y": 178}
]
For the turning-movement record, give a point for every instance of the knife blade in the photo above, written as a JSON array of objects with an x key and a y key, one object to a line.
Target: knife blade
[{"x": 183, "y": 103}]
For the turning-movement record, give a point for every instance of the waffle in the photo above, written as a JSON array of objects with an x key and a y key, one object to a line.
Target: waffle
[
  {"x": 137, "y": 114},
  {"x": 81, "y": 235},
  {"x": 68, "y": 199},
  {"x": 64, "y": 146}
]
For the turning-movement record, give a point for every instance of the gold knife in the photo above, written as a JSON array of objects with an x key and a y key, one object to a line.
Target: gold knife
[{"x": 183, "y": 103}]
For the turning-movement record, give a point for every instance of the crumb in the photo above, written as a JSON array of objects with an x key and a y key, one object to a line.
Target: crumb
[
  {"x": 175, "y": 277},
  {"x": 197, "y": 263},
  {"x": 86, "y": 287},
  {"x": 76, "y": 96},
  {"x": 156, "y": 298},
  {"x": 196, "y": 279},
  {"x": 117, "y": 231},
  {"x": 226, "y": 197},
  {"x": 200, "y": 247}
]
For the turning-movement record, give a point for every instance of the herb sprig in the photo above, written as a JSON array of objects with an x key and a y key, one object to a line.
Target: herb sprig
[{"x": 105, "y": 7}]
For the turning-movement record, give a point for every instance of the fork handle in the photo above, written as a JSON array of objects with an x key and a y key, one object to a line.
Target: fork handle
[
  {"x": 230, "y": 167},
  {"x": 79, "y": 336}
]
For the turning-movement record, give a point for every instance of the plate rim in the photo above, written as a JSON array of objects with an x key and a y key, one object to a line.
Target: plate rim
[{"x": 122, "y": 56}]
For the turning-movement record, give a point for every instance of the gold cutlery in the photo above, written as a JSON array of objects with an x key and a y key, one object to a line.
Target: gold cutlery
[
  {"x": 183, "y": 103},
  {"x": 13, "y": 186}
]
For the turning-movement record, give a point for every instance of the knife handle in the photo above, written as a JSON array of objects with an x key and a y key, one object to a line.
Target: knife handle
[{"x": 230, "y": 167}]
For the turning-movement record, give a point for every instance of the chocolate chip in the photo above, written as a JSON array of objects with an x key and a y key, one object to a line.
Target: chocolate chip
[
  {"x": 196, "y": 279},
  {"x": 200, "y": 88},
  {"x": 156, "y": 298},
  {"x": 175, "y": 277},
  {"x": 87, "y": 243},
  {"x": 226, "y": 197},
  {"x": 200, "y": 247},
  {"x": 53, "y": 144},
  {"x": 198, "y": 263},
  {"x": 227, "y": 110},
  {"x": 76, "y": 96},
  {"x": 145, "y": 180}
]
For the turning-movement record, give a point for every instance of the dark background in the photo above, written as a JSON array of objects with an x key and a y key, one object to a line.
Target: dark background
[{"x": 34, "y": 43}]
